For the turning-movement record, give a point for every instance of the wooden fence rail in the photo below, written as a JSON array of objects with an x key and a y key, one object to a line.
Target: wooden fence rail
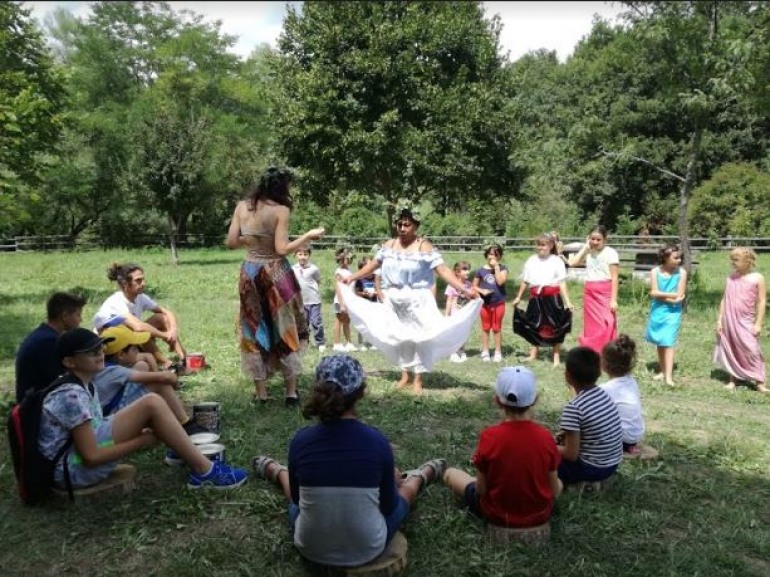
[{"x": 623, "y": 243}]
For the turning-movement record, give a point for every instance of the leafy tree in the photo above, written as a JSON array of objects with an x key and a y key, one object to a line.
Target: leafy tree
[
  {"x": 32, "y": 101},
  {"x": 395, "y": 99}
]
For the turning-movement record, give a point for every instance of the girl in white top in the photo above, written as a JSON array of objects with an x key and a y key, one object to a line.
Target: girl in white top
[
  {"x": 618, "y": 360},
  {"x": 341, "y": 317},
  {"x": 600, "y": 291},
  {"x": 548, "y": 318}
]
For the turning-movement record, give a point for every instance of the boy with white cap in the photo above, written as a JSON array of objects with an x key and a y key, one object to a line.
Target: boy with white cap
[{"x": 516, "y": 460}]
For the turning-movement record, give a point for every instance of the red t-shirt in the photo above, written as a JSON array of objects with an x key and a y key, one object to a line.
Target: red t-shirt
[{"x": 516, "y": 458}]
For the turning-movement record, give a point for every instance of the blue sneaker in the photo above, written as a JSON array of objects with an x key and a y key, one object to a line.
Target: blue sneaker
[
  {"x": 173, "y": 459},
  {"x": 221, "y": 476}
]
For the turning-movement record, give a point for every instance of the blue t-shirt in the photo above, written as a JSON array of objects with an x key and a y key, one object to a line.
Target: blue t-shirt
[
  {"x": 487, "y": 281},
  {"x": 37, "y": 364},
  {"x": 342, "y": 477}
]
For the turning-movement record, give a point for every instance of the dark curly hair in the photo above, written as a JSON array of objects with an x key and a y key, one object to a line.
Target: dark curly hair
[
  {"x": 583, "y": 365},
  {"x": 329, "y": 404},
  {"x": 273, "y": 185},
  {"x": 120, "y": 272},
  {"x": 619, "y": 356},
  {"x": 667, "y": 251}
]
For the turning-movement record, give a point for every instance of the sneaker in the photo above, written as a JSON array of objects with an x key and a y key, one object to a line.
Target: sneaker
[
  {"x": 221, "y": 476},
  {"x": 350, "y": 348},
  {"x": 485, "y": 356},
  {"x": 498, "y": 358},
  {"x": 339, "y": 347},
  {"x": 321, "y": 348},
  {"x": 193, "y": 428},
  {"x": 455, "y": 358},
  {"x": 463, "y": 357},
  {"x": 292, "y": 401},
  {"x": 172, "y": 459}
]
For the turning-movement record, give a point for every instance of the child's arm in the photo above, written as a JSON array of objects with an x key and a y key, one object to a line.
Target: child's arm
[
  {"x": 450, "y": 302},
  {"x": 761, "y": 302},
  {"x": 614, "y": 296},
  {"x": 719, "y": 315},
  {"x": 554, "y": 482},
  {"x": 93, "y": 455},
  {"x": 681, "y": 288},
  {"x": 154, "y": 378},
  {"x": 337, "y": 291},
  {"x": 522, "y": 287},
  {"x": 578, "y": 258},
  {"x": 565, "y": 295},
  {"x": 571, "y": 447}
]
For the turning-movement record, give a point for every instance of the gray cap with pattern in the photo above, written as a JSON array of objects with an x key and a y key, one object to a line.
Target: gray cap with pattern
[{"x": 341, "y": 370}]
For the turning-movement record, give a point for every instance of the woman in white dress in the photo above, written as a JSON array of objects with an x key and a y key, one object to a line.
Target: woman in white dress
[{"x": 407, "y": 327}]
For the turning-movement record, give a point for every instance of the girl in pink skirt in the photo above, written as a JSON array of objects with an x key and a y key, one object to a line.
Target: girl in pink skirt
[
  {"x": 741, "y": 315},
  {"x": 600, "y": 291}
]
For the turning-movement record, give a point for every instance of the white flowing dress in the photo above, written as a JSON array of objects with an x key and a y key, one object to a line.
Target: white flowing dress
[{"x": 408, "y": 328}]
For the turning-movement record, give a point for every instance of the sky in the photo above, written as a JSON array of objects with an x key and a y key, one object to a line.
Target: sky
[{"x": 527, "y": 26}]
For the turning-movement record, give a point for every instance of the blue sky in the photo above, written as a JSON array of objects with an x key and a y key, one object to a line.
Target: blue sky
[{"x": 526, "y": 25}]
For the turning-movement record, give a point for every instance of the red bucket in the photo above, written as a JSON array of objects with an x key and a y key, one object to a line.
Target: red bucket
[{"x": 196, "y": 361}]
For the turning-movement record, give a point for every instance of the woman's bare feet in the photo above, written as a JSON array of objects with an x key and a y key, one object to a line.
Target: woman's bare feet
[
  {"x": 761, "y": 388},
  {"x": 403, "y": 381},
  {"x": 417, "y": 390},
  {"x": 730, "y": 386},
  {"x": 658, "y": 377}
]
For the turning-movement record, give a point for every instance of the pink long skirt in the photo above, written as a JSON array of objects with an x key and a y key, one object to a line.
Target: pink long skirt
[{"x": 600, "y": 324}]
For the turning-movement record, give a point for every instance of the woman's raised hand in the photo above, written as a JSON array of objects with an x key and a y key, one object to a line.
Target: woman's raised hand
[{"x": 316, "y": 233}]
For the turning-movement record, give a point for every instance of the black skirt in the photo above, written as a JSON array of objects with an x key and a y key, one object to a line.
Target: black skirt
[{"x": 546, "y": 321}]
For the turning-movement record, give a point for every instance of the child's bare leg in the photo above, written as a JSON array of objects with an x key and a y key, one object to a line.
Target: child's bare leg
[
  {"x": 668, "y": 365},
  {"x": 661, "y": 374},
  {"x": 153, "y": 412},
  {"x": 410, "y": 487},
  {"x": 404, "y": 379},
  {"x": 282, "y": 480},
  {"x": 150, "y": 362},
  {"x": 532, "y": 354},
  {"x": 260, "y": 389},
  {"x": 168, "y": 394},
  {"x": 290, "y": 383},
  {"x": 498, "y": 342},
  {"x": 337, "y": 328},
  {"x": 556, "y": 355},
  {"x": 346, "y": 328},
  {"x": 730, "y": 386},
  {"x": 484, "y": 341},
  {"x": 417, "y": 383},
  {"x": 457, "y": 480}
]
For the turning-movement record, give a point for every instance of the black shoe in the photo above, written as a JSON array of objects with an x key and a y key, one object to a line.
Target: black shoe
[{"x": 292, "y": 401}]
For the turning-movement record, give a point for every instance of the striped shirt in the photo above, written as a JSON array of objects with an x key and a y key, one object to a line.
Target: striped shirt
[{"x": 594, "y": 415}]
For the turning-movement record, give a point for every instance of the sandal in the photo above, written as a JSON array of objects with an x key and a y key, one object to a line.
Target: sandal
[
  {"x": 438, "y": 466},
  {"x": 260, "y": 468}
]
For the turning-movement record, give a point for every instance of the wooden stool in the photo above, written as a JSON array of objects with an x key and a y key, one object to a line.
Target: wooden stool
[
  {"x": 121, "y": 480},
  {"x": 530, "y": 536},
  {"x": 390, "y": 562},
  {"x": 646, "y": 453}
]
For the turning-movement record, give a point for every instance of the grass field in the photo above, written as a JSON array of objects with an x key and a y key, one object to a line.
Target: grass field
[{"x": 701, "y": 510}]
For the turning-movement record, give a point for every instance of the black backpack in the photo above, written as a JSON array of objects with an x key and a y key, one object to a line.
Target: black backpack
[{"x": 34, "y": 472}]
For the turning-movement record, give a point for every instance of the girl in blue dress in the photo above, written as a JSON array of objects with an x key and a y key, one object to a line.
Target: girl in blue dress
[{"x": 668, "y": 283}]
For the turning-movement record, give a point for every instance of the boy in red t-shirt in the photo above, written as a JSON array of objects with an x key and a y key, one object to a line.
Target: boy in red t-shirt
[{"x": 516, "y": 460}]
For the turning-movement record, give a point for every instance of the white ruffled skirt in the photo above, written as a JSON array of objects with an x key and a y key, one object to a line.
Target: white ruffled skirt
[{"x": 408, "y": 329}]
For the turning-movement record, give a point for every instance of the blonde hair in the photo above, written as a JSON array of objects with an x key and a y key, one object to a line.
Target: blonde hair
[{"x": 743, "y": 251}]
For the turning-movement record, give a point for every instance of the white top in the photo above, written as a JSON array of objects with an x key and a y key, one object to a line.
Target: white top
[
  {"x": 339, "y": 274},
  {"x": 309, "y": 279},
  {"x": 118, "y": 305},
  {"x": 624, "y": 391},
  {"x": 598, "y": 265},
  {"x": 548, "y": 271}
]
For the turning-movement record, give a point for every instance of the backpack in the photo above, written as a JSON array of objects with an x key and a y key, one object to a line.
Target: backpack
[{"x": 34, "y": 472}]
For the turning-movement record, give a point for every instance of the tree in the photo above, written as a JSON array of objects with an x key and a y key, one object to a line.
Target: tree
[
  {"x": 394, "y": 99},
  {"x": 32, "y": 101}
]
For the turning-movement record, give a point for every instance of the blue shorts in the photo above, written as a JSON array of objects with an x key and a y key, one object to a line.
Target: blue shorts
[
  {"x": 82, "y": 476},
  {"x": 473, "y": 499},
  {"x": 571, "y": 472},
  {"x": 392, "y": 521},
  {"x": 130, "y": 392}
]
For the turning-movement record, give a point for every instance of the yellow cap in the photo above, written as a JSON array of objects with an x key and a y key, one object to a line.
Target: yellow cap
[{"x": 124, "y": 337}]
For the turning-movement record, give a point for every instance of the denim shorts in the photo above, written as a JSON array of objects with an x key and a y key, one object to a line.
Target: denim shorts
[
  {"x": 82, "y": 476},
  {"x": 576, "y": 471}
]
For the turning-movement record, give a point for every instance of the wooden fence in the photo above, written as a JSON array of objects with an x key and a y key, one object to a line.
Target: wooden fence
[{"x": 623, "y": 243}]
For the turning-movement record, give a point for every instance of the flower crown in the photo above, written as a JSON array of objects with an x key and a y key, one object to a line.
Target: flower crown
[{"x": 406, "y": 208}]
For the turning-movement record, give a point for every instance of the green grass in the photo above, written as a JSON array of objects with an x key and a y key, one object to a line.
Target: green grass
[{"x": 700, "y": 510}]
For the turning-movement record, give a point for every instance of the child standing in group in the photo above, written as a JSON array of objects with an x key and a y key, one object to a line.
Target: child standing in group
[
  {"x": 516, "y": 460},
  {"x": 741, "y": 316},
  {"x": 548, "y": 318},
  {"x": 309, "y": 279},
  {"x": 618, "y": 360},
  {"x": 342, "y": 319},
  {"x": 600, "y": 290},
  {"x": 668, "y": 283},
  {"x": 489, "y": 282},
  {"x": 366, "y": 289},
  {"x": 72, "y": 411},
  {"x": 455, "y": 301},
  {"x": 592, "y": 435}
]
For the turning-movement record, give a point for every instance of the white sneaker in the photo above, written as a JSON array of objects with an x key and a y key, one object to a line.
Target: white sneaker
[
  {"x": 455, "y": 358},
  {"x": 321, "y": 348},
  {"x": 339, "y": 347},
  {"x": 485, "y": 356},
  {"x": 463, "y": 357},
  {"x": 351, "y": 348},
  {"x": 498, "y": 358}
]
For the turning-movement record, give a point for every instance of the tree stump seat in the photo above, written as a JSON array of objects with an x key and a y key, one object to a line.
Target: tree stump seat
[
  {"x": 391, "y": 561},
  {"x": 646, "y": 453},
  {"x": 121, "y": 480},
  {"x": 531, "y": 536}
]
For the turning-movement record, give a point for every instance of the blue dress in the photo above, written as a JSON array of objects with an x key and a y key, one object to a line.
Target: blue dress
[{"x": 665, "y": 318}]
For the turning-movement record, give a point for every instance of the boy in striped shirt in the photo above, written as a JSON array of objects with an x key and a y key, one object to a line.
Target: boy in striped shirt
[{"x": 592, "y": 446}]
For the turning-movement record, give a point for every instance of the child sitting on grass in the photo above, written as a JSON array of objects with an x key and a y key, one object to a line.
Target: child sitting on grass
[
  {"x": 592, "y": 435},
  {"x": 618, "y": 359},
  {"x": 516, "y": 460},
  {"x": 73, "y": 410}
]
